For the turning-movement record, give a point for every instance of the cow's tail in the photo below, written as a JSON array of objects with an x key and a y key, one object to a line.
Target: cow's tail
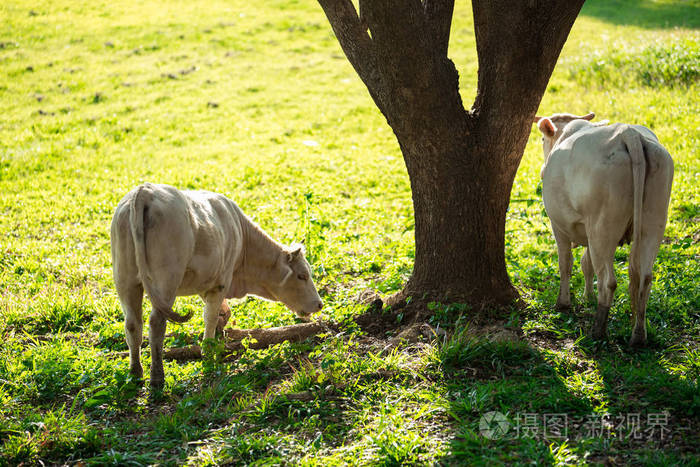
[
  {"x": 633, "y": 141},
  {"x": 138, "y": 210}
]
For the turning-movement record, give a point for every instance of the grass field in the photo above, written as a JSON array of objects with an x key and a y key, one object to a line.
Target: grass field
[{"x": 257, "y": 101}]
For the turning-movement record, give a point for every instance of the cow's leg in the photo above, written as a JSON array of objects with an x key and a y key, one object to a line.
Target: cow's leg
[
  {"x": 164, "y": 285},
  {"x": 640, "y": 270},
  {"x": 587, "y": 268},
  {"x": 602, "y": 255},
  {"x": 637, "y": 337},
  {"x": 566, "y": 260},
  {"x": 639, "y": 332},
  {"x": 214, "y": 305},
  {"x": 156, "y": 334},
  {"x": 224, "y": 316},
  {"x": 131, "y": 298}
]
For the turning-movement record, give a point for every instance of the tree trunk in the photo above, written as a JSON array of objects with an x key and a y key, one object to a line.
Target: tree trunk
[
  {"x": 461, "y": 163},
  {"x": 459, "y": 225}
]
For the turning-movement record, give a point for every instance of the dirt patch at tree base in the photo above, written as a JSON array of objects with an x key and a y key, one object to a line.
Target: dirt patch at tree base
[{"x": 397, "y": 314}]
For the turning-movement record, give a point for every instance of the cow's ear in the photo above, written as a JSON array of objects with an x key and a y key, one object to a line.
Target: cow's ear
[
  {"x": 294, "y": 253},
  {"x": 536, "y": 119},
  {"x": 588, "y": 116},
  {"x": 547, "y": 127}
]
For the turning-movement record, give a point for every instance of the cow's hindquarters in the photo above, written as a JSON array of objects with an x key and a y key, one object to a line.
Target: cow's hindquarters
[{"x": 151, "y": 244}]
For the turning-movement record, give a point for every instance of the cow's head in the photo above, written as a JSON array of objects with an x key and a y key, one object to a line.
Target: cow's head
[
  {"x": 553, "y": 127},
  {"x": 296, "y": 289}
]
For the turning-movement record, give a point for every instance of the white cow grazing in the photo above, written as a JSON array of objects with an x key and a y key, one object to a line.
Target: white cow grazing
[
  {"x": 171, "y": 243},
  {"x": 605, "y": 185}
]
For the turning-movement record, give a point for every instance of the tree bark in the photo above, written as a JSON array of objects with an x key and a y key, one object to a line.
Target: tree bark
[
  {"x": 461, "y": 163},
  {"x": 459, "y": 226}
]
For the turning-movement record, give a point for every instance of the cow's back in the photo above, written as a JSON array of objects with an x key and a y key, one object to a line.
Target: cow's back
[{"x": 217, "y": 228}]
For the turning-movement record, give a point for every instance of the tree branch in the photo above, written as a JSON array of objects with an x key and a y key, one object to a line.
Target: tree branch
[
  {"x": 518, "y": 44},
  {"x": 259, "y": 339},
  {"x": 351, "y": 32},
  {"x": 439, "y": 14},
  {"x": 402, "y": 40},
  {"x": 266, "y": 337},
  {"x": 401, "y": 26}
]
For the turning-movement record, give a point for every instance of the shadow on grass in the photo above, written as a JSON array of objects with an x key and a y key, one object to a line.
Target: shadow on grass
[
  {"x": 513, "y": 402},
  {"x": 238, "y": 414},
  {"x": 645, "y": 13},
  {"x": 508, "y": 402},
  {"x": 500, "y": 400},
  {"x": 639, "y": 385}
]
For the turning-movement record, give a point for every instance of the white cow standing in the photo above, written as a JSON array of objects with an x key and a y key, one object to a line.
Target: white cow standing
[
  {"x": 605, "y": 185},
  {"x": 172, "y": 243}
]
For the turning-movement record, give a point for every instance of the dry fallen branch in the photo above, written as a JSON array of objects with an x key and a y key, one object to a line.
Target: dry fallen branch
[
  {"x": 257, "y": 339},
  {"x": 268, "y": 336}
]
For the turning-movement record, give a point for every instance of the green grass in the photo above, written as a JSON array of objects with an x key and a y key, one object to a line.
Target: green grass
[
  {"x": 257, "y": 101},
  {"x": 668, "y": 64}
]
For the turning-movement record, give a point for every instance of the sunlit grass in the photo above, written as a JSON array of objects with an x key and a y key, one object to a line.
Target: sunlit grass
[{"x": 257, "y": 101}]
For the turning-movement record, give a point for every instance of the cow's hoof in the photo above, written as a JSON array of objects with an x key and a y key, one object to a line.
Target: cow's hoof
[
  {"x": 157, "y": 383},
  {"x": 600, "y": 323},
  {"x": 137, "y": 380},
  {"x": 157, "y": 379},
  {"x": 599, "y": 330},
  {"x": 136, "y": 375},
  {"x": 638, "y": 341}
]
